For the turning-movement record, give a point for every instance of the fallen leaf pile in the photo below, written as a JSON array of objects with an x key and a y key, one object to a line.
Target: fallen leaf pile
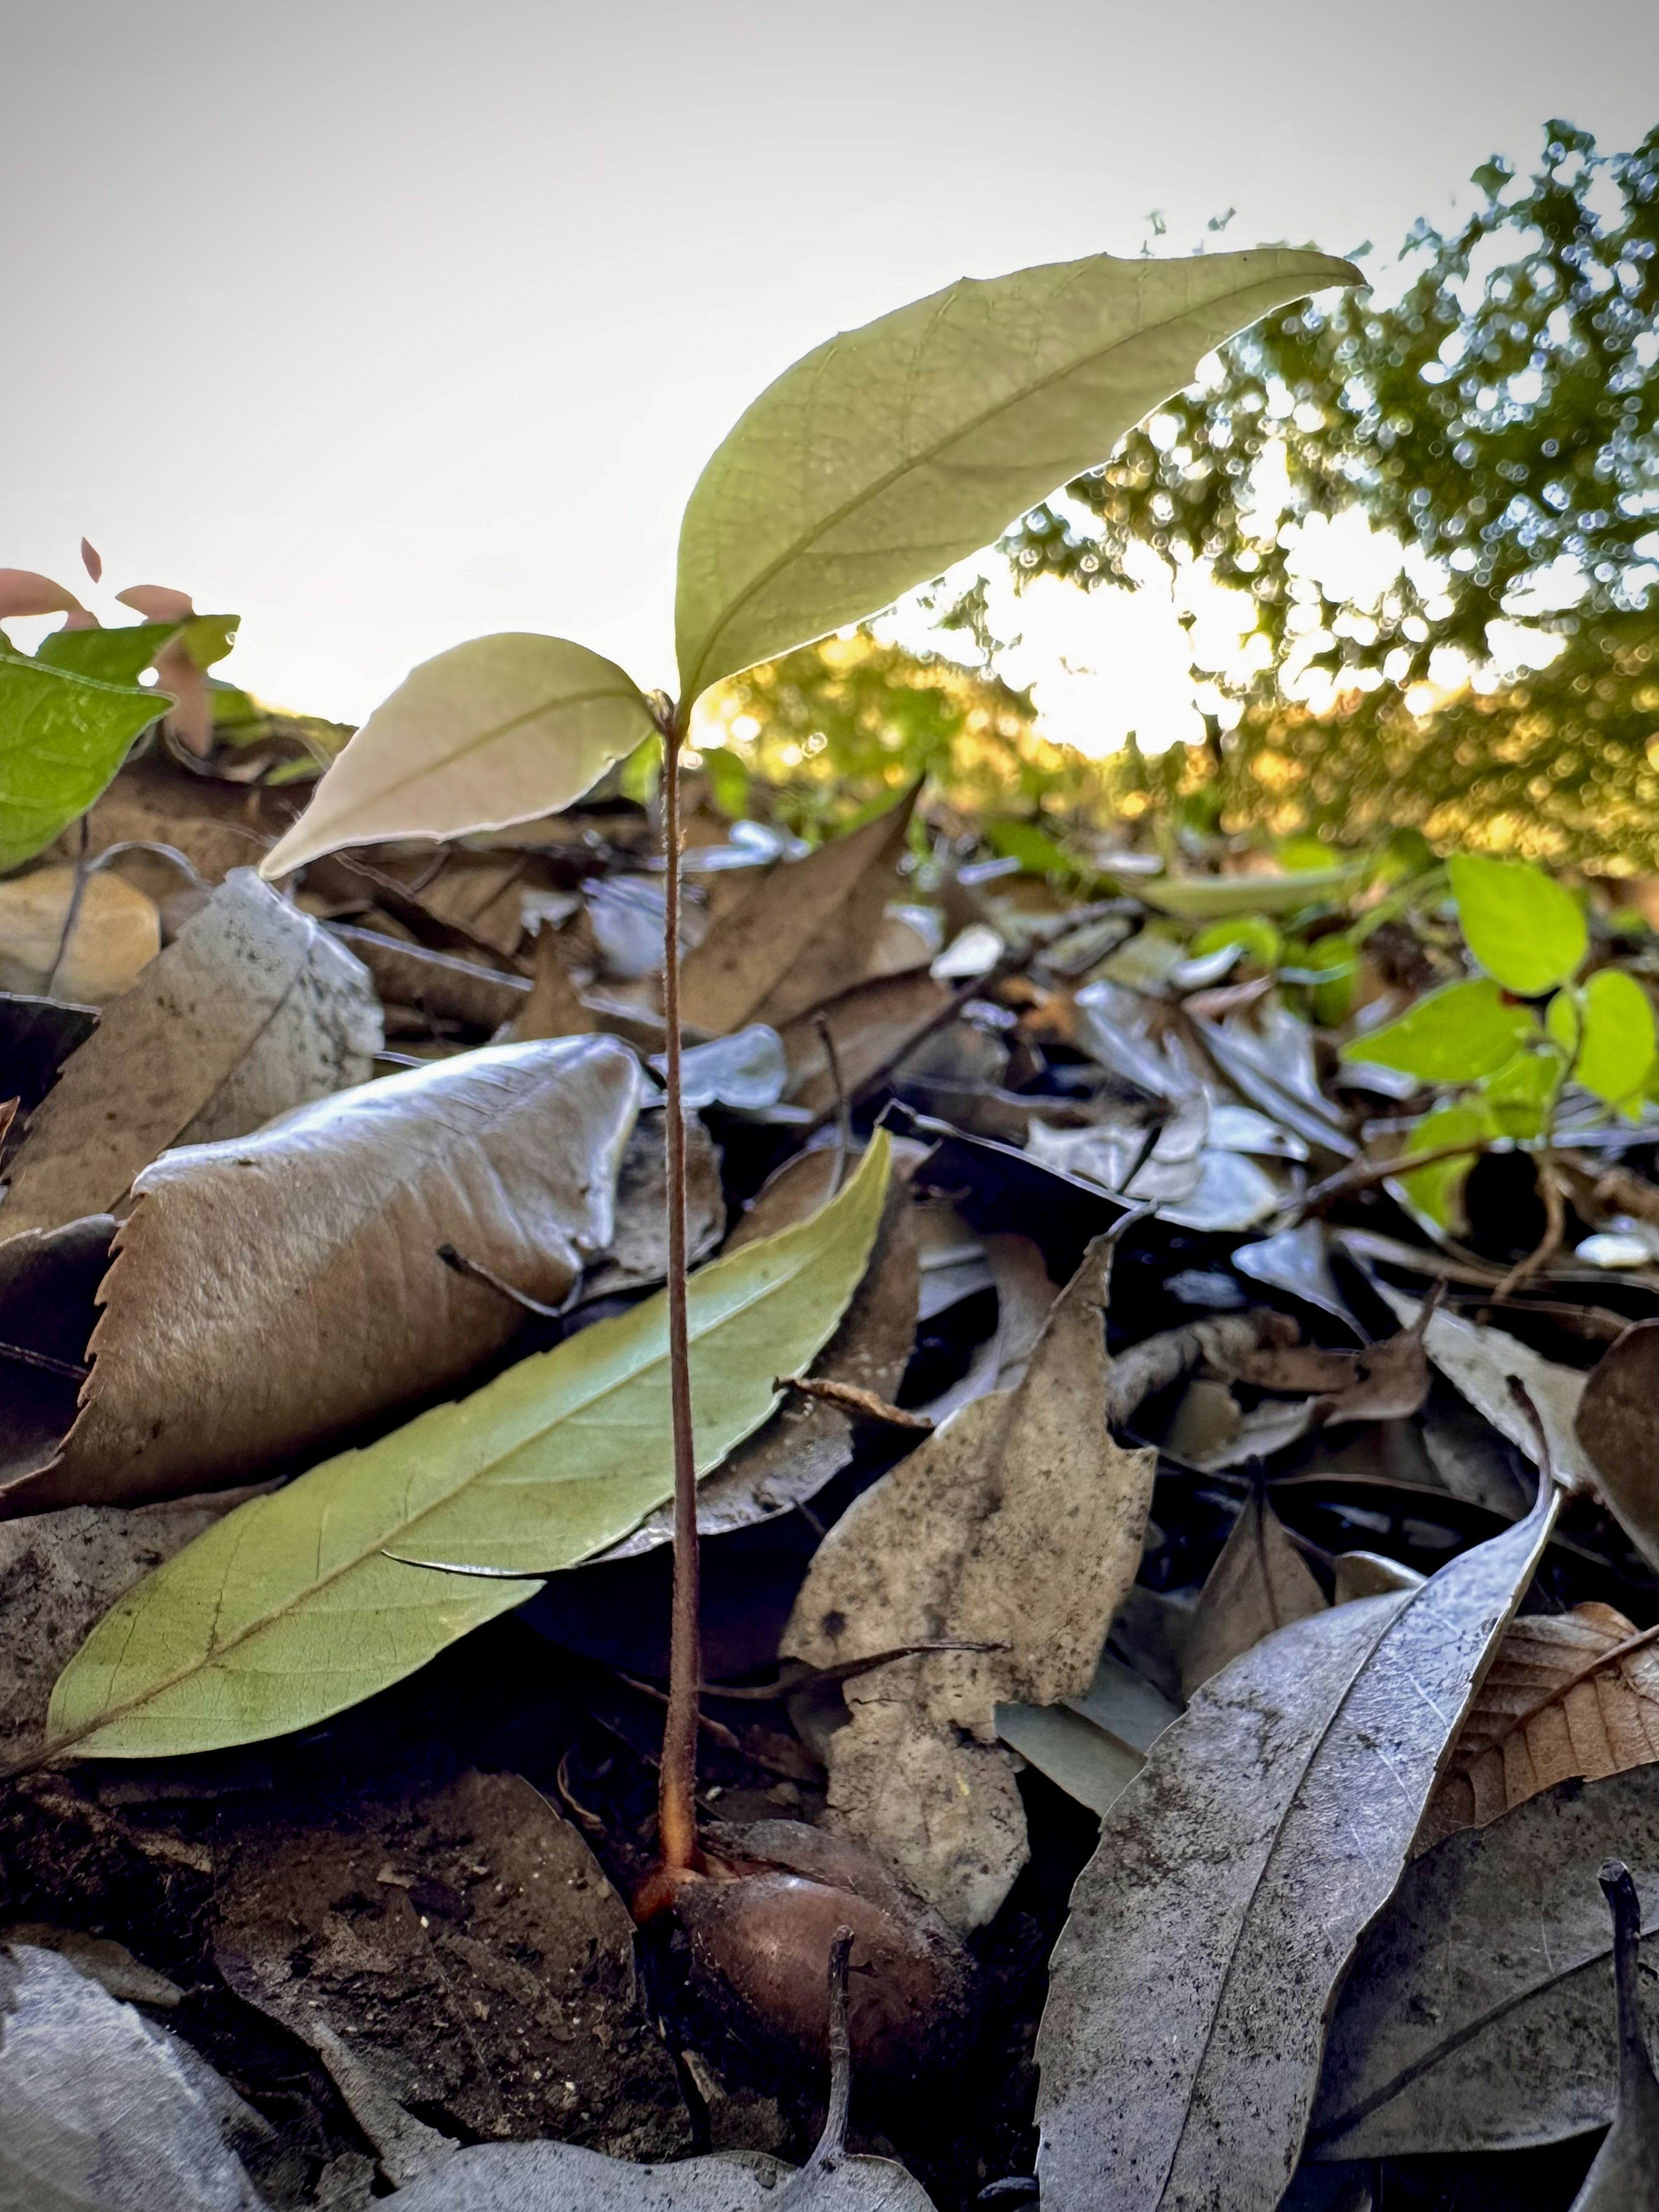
[{"x": 1120, "y": 1518}]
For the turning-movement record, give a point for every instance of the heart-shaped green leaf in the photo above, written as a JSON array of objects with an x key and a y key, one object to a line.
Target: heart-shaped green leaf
[
  {"x": 1613, "y": 1031},
  {"x": 62, "y": 737},
  {"x": 1523, "y": 929},
  {"x": 892, "y": 451},
  {"x": 493, "y": 732},
  {"x": 290, "y": 1608},
  {"x": 1454, "y": 1035}
]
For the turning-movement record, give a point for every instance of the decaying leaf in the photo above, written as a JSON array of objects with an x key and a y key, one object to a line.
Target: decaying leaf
[
  {"x": 1615, "y": 1426},
  {"x": 1093, "y": 1746},
  {"x": 496, "y": 731},
  {"x": 803, "y": 931},
  {"x": 1478, "y": 2014},
  {"x": 557, "y": 2177},
  {"x": 1574, "y": 1693},
  {"x": 115, "y": 932},
  {"x": 271, "y": 1293},
  {"x": 1625, "y": 2177},
  {"x": 301, "y": 1603},
  {"x": 513, "y": 2008},
  {"x": 874, "y": 1026},
  {"x": 1260, "y": 1583},
  {"x": 1018, "y": 1525},
  {"x": 553, "y": 1008},
  {"x": 1180, "y": 2048},
  {"x": 636, "y": 1252},
  {"x": 100, "y": 2110},
  {"x": 49, "y": 1281},
  {"x": 252, "y": 1010}
]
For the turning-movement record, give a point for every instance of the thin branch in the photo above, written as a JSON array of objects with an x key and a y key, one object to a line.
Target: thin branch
[
  {"x": 863, "y": 1405},
  {"x": 24, "y": 1358},
  {"x": 843, "y": 1111},
  {"x": 473, "y": 1271}
]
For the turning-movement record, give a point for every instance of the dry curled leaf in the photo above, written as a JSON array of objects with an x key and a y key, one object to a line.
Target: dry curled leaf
[
  {"x": 85, "y": 937},
  {"x": 270, "y": 1294},
  {"x": 1569, "y": 1694},
  {"x": 803, "y": 932},
  {"x": 1019, "y": 1525},
  {"x": 1259, "y": 1584},
  {"x": 1614, "y": 1423},
  {"x": 1180, "y": 2048},
  {"x": 252, "y": 1010}
]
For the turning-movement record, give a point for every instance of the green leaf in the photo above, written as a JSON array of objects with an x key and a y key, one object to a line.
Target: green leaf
[
  {"x": 1438, "y": 1191},
  {"x": 1455, "y": 1035},
  {"x": 62, "y": 737},
  {"x": 1524, "y": 930},
  {"x": 1616, "y": 1047},
  {"x": 1258, "y": 937},
  {"x": 114, "y": 656},
  {"x": 494, "y": 732},
  {"x": 209, "y": 638},
  {"x": 1327, "y": 967},
  {"x": 894, "y": 450},
  {"x": 1035, "y": 850},
  {"x": 1202, "y": 898},
  {"x": 1521, "y": 1094},
  {"x": 288, "y": 1609}
]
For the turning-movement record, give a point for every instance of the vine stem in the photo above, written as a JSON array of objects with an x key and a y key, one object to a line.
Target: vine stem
[{"x": 676, "y": 1812}]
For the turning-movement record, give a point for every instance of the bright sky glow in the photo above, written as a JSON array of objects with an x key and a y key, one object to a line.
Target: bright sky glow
[{"x": 385, "y": 324}]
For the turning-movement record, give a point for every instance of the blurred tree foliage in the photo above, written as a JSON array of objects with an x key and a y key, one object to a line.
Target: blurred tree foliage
[{"x": 1500, "y": 421}]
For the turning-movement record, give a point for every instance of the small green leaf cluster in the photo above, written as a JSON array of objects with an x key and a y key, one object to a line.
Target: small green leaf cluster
[{"x": 1509, "y": 1040}]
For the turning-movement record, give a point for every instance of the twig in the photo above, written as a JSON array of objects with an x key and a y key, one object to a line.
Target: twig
[
  {"x": 1157, "y": 1361},
  {"x": 474, "y": 1271},
  {"x": 865, "y": 1404},
  {"x": 1555, "y": 1230},
  {"x": 831, "y": 2145},
  {"x": 843, "y": 1111},
  {"x": 1363, "y": 1175},
  {"x": 24, "y": 1358},
  {"x": 72, "y": 914}
]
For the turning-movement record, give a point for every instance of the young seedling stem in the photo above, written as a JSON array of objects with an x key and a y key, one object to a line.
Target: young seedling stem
[{"x": 676, "y": 1815}]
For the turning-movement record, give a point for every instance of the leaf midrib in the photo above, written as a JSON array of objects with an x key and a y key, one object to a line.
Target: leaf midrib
[{"x": 873, "y": 491}]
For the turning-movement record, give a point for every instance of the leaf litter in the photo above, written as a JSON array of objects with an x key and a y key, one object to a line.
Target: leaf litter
[{"x": 1215, "y": 1583}]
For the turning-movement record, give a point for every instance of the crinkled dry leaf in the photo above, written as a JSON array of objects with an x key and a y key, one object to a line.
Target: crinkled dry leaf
[
  {"x": 804, "y": 930},
  {"x": 303, "y": 1602},
  {"x": 1189, "y": 1991},
  {"x": 98, "y": 2109},
  {"x": 117, "y": 932},
  {"x": 636, "y": 1252},
  {"x": 1478, "y": 2014},
  {"x": 871, "y": 1027},
  {"x": 1020, "y": 1525},
  {"x": 271, "y": 1294},
  {"x": 1574, "y": 1693},
  {"x": 252, "y": 1010},
  {"x": 1260, "y": 1583},
  {"x": 1615, "y": 1426}
]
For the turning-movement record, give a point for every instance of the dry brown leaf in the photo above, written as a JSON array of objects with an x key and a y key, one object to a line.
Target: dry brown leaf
[
  {"x": 437, "y": 984},
  {"x": 117, "y": 932},
  {"x": 804, "y": 932},
  {"x": 1569, "y": 1695},
  {"x": 1614, "y": 1425},
  {"x": 270, "y": 1294},
  {"x": 1019, "y": 1525},
  {"x": 553, "y": 1009},
  {"x": 871, "y": 1027},
  {"x": 1260, "y": 1583},
  {"x": 252, "y": 1010},
  {"x": 636, "y": 1252},
  {"x": 49, "y": 1281}
]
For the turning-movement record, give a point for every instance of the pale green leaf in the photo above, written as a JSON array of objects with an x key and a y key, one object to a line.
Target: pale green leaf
[
  {"x": 892, "y": 451},
  {"x": 1204, "y": 898},
  {"x": 1255, "y": 936},
  {"x": 290, "y": 1609},
  {"x": 1437, "y": 1191},
  {"x": 491, "y": 733},
  {"x": 1523, "y": 929},
  {"x": 62, "y": 737},
  {"x": 114, "y": 656},
  {"x": 1520, "y": 1095},
  {"x": 1618, "y": 1042},
  {"x": 1454, "y": 1035}
]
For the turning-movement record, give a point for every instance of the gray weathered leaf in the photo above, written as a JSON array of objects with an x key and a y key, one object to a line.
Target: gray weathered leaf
[
  {"x": 553, "y": 2177},
  {"x": 1478, "y": 2015},
  {"x": 99, "y": 2112},
  {"x": 1260, "y": 1583},
  {"x": 1180, "y": 2048},
  {"x": 252, "y": 1010}
]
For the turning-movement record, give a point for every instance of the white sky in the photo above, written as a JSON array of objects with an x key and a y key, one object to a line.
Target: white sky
[{"x": 384, "y": 325}]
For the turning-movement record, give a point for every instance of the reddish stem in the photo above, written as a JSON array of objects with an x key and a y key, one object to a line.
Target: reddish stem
[{"x": 677, "y": 1819}]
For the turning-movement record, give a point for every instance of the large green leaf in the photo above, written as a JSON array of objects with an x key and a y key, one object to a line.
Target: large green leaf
[
  {"x": 290, "y": 1609},
  {"x": 114, "y": 656},
  {"x": 1204, "y": 898},
  {"x": 1525, "y": 930},
  {"x": 490, "y": 733},
  {"x": 62, "y": 737},
  {"x": 894, "y": 450},
  {"x": 1454, "y": 1035}
]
